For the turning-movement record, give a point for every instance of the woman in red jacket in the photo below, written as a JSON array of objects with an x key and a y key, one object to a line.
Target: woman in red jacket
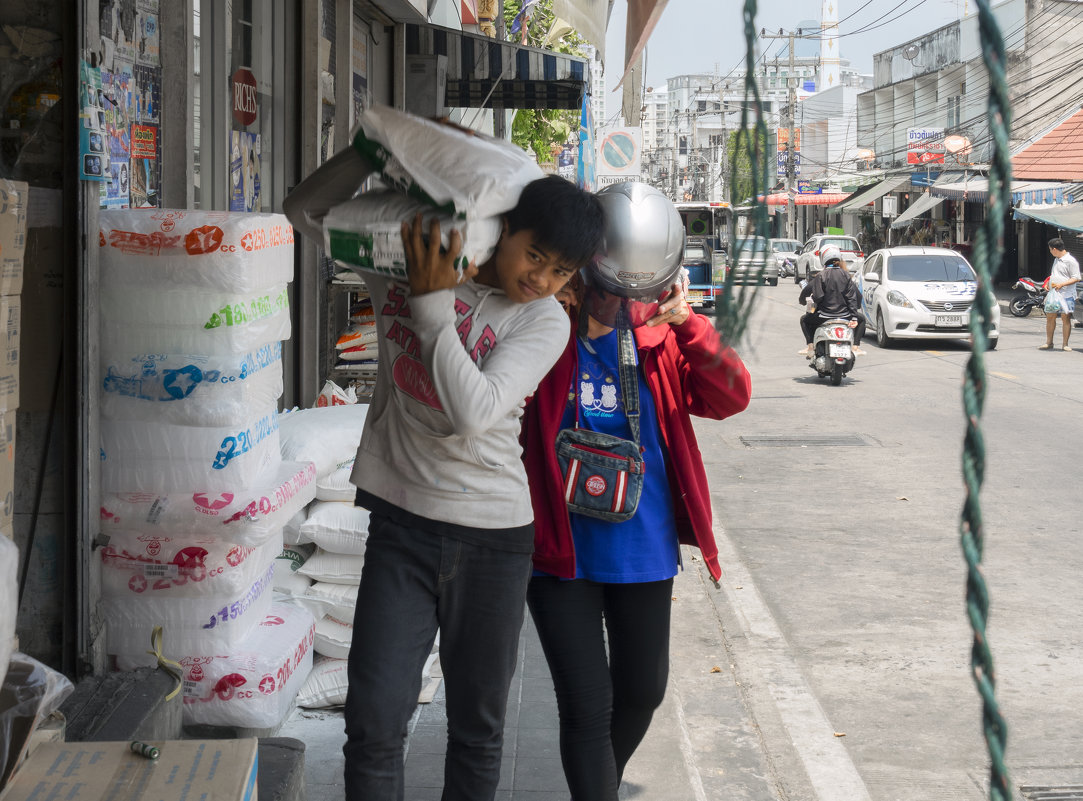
[{"x": 591, "y": 572}]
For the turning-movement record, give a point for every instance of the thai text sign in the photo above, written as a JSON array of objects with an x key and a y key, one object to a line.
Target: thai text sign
[{"x": 924, "y": 145}]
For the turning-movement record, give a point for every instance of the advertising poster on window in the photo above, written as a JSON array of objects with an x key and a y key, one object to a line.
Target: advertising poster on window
[
  {"x": 144, "y": 166},
  {"x": 147, "y": 44},
  {"x": 244, "y": 171},
  {"x": 146, "y": 94},
  {"x": 93, "y": 151},
  {"x": 115, "y": 88},
  {"x": 566, "y": 166}
]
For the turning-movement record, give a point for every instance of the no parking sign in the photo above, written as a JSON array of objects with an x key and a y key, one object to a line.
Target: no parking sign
[{"x": 619, "y": 152}]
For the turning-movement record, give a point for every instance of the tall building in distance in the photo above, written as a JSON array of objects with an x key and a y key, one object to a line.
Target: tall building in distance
[
  {"x": 686, "y": 125},
  {"x": 830, "y": 64}
]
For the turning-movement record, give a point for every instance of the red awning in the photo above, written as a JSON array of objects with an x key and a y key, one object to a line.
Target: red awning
[{"x": 808, "y": 199}]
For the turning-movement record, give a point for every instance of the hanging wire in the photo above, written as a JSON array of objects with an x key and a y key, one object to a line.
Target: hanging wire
[
  {"x": 988, "y": 252},
  {"x": 734, "y": 310}
]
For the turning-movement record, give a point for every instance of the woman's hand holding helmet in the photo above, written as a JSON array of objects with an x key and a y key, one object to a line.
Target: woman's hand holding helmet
[{"x": 673, "y": 308}]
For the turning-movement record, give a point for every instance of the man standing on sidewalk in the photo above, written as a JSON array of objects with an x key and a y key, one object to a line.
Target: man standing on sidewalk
[{"x": 1063, "y": 278}]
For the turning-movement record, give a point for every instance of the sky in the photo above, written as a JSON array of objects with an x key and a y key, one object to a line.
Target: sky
[{"x": 696, "y": 36}]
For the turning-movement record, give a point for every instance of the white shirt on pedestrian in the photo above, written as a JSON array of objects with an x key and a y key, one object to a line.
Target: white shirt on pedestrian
[{"x": 1064, "y": 269}]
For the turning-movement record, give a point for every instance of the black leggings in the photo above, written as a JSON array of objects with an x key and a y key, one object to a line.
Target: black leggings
[{"x": 605, "y": 702}]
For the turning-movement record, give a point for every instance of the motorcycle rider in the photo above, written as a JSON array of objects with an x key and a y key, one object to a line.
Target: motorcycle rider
[{"x": 834, "y": 296}]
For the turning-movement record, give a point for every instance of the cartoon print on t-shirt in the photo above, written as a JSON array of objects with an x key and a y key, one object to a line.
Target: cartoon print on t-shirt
[{"x": 597, "y": 394}]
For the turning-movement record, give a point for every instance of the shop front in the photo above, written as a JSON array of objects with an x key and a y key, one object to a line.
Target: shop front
[{"x": 205, "y": 107}]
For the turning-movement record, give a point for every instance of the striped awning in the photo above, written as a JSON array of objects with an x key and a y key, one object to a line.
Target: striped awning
[
  {"x": 1068, "y": 217},
  {"x": 806, "y": 198},
  {"x": 975, "y": 189},
  {"x": 489, "y": 73},
  {"x": 924, "y": 203},
  {"x": 873, "y": 193}
]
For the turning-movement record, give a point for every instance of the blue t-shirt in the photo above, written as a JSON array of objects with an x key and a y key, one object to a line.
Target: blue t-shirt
[{"x": 644, "y": 548}]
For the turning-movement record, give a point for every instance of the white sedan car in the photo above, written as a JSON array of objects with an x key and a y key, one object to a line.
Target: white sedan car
[{"x": 920, "y": 293}]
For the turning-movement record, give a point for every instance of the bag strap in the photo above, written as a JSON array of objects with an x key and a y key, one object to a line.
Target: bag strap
[
  {"x": 629, "y": 380},
  {"x": 626, "y": 370}
]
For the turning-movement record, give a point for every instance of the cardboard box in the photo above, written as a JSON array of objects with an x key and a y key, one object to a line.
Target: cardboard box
[
  {"x": 224, "y": 770},
  {"x": 10, "y": 334},
  {"x": 13, "y": 204},
  {"x": 7, "y": 470}
]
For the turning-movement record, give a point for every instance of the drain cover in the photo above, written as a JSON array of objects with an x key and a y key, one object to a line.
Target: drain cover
[
  {"x": 1060, "y": 792},
  {"x": 804, "y": 441}
]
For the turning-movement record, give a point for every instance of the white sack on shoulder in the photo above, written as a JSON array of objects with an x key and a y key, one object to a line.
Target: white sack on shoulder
[
  {"x": 468, "y": 175},
  {"x": 365, "y": 233}
]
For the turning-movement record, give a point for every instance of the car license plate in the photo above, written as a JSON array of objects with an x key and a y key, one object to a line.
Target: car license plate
[
  {"x": 949, "y": 320},
  {"x": 694, "y": 297},
  {"x": 838, "y": 350}
]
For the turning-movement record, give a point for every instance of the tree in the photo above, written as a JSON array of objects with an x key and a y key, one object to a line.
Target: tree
[
  {"x": 740, "y": 146},
  {"x": 542, "y": 131}
]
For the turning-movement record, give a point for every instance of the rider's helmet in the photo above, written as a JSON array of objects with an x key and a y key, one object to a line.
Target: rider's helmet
[
  {"x": 830, "y": 254},
  {"x": 640, "y": 257}
]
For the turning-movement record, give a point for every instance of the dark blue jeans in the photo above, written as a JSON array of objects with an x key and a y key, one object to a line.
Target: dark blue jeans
[
  {"x": 414, "y": 582},
  {"x": 605, "y": 701}
]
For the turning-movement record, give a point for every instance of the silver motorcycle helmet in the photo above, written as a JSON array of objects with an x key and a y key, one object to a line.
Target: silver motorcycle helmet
[{"x": 640, "y": 258}]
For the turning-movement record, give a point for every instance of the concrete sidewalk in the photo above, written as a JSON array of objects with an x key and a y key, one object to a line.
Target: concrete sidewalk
[{"x": 703, "y": 745}]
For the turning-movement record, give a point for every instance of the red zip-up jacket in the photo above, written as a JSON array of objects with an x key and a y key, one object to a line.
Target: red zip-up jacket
[{"x": 689, "y": 372}]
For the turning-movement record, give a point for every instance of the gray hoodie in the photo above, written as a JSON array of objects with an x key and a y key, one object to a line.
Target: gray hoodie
[{"x": 441, "y": 438}]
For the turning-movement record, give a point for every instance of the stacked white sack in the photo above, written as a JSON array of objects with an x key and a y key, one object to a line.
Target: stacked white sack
[
  {"x": 194, "y": 310},
  {"x": 464, "y": 180},
  {"x": 207, "y": 595},
  {"x": 246, "y": 517},
  {"x": 339, "y": 531},
  {"x": 323, "y": 561},
  {"x": 253, "y": 684}
]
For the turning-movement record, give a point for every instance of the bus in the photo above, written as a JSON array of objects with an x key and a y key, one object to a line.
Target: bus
[{"x": 706, "y": 242}]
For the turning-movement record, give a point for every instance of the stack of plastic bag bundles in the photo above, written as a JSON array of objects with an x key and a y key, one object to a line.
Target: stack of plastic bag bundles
[{"x": 195, "y": 490}]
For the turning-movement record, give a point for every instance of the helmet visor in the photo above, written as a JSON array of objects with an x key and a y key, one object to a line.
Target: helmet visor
[{"x": 617, "y": 312}]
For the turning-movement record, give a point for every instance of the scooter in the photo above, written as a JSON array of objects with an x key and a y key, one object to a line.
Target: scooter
[
  {"x": 1032, "y": 297},
  {"x": 833, "y": 354}
]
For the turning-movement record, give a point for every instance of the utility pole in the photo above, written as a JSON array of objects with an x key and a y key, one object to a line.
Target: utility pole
[{"x": 791, "y": 150}]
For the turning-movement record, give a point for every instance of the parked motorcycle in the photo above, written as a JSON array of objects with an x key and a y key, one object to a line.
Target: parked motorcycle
[
  {"x": 833, "y": 355},
  {"x": 1032, "y": 296}
]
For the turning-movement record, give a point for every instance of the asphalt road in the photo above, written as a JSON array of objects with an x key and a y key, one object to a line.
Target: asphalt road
[{"x": 842, "y": 613}]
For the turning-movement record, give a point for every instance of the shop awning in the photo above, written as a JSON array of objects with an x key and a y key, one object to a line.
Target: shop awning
[
  {"x": 975, "y": 189},
  {"x": 806, "y": 198},
  {"x": 488, "y": 73},
  {"x": 873, "y": 193},
  {"x": 923, "y": 204},
  {"x": 1068, "y": 217}
]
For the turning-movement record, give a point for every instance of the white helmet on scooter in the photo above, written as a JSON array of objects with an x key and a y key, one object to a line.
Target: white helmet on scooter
[
  {"x": 830, "y": 254},
  {"x": 641, "y": 256}
]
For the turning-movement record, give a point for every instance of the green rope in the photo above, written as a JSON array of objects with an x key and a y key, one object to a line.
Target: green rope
[
  {"x": 988, "y": 251},
  {"x": 734, "y": 310}
]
